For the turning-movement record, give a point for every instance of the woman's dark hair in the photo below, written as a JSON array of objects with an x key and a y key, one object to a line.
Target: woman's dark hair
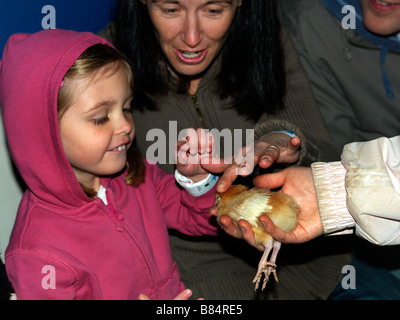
[{"x": 252, "y": 68}]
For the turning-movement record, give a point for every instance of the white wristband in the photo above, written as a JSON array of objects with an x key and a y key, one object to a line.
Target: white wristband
[
  {"x": 196, "y": 189},
  {"x": 288, "y": 132}
]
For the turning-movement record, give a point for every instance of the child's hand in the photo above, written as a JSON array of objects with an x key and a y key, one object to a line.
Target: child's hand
[
  {"x": 196, "y": 149},
  {"x": 184, "y": 295}
]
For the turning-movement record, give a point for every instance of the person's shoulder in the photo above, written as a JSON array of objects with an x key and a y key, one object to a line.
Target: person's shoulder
[
  {"x": 303, "y": 18},
  {"x": 295, "y": 11},
  {"x": 108, "y": 32}
]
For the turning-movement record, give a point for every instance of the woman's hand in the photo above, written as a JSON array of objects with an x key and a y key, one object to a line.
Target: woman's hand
[
  {"x": 275, "y": 147},
  {"x": 267, "y": 154}
]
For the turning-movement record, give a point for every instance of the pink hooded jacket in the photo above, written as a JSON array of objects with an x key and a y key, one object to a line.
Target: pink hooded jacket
[{"x": 65, "y": 245}]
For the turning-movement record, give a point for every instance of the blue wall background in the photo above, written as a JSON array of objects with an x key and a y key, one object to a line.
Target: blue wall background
[{"x": 79, "y": 15}]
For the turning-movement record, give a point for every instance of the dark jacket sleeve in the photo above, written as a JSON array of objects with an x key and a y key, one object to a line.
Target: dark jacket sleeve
[{"x": 301, "y": 113}]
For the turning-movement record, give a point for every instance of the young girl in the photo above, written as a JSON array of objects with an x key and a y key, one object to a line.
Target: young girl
[{"x": 91, "y": 225}]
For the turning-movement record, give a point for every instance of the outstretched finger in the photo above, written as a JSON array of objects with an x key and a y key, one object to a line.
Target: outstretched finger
[
  {"x": 269, "y": 156},
  {"x": 277, "y": 233},
  {"x": 184, "y": 295},
  {"x": 229, "y": 227},
  {"x": 226, "y": 180},
  {"x": 270, "y": 180},
  {"x": 248, "y": 234},
  {"x": 295, "y": 142}
]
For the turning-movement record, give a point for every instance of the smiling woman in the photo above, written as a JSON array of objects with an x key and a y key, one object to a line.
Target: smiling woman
[
  {"x": 188, "y": 36},
  {"x": 191, "y": 33}
]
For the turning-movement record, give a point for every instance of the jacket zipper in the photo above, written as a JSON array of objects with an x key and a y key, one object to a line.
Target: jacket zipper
[
  {"x": 118, "y": 216},
  {"x": 120, "y": 227},
  {"x": 198, "y": 111}
]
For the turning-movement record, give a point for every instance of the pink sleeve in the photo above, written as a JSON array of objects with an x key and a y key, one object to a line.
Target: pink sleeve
[
  {"x": 37, "y": 277},
  {"x": 183, "y": 211}
]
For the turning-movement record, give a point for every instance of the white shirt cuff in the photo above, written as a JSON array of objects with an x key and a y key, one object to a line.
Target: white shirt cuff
[{"x": 331, "y": 194}]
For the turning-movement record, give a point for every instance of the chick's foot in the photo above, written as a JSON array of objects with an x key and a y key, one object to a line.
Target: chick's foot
[{"x": 267, "y": 267}]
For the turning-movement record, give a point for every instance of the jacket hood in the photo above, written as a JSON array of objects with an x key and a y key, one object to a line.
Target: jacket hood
[{"x": 31, "y": 71}]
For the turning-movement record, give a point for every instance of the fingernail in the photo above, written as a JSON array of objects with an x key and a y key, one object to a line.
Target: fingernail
[
  {"x": 265, "y": 158},
  {"x": 188, "y": 293},
  {"x": 242, "y": 230}
]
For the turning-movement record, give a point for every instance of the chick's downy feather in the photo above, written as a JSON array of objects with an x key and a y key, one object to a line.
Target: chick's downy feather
[{"x": 240, "y": 202}]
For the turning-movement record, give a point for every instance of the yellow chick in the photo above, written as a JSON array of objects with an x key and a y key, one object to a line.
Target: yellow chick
[{"x": 240, "y": 202}]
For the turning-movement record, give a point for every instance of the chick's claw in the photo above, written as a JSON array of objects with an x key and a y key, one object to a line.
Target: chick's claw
[{"x": 266, "y": 270}]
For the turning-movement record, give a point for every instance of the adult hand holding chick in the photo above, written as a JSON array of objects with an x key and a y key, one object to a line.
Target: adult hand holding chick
[
  {"x": 241, "y": 203},
  {"x": 309, "y": 222}
]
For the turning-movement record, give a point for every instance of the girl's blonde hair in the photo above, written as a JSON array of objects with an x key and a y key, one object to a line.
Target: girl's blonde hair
[{"x": 98, "y": 61}]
